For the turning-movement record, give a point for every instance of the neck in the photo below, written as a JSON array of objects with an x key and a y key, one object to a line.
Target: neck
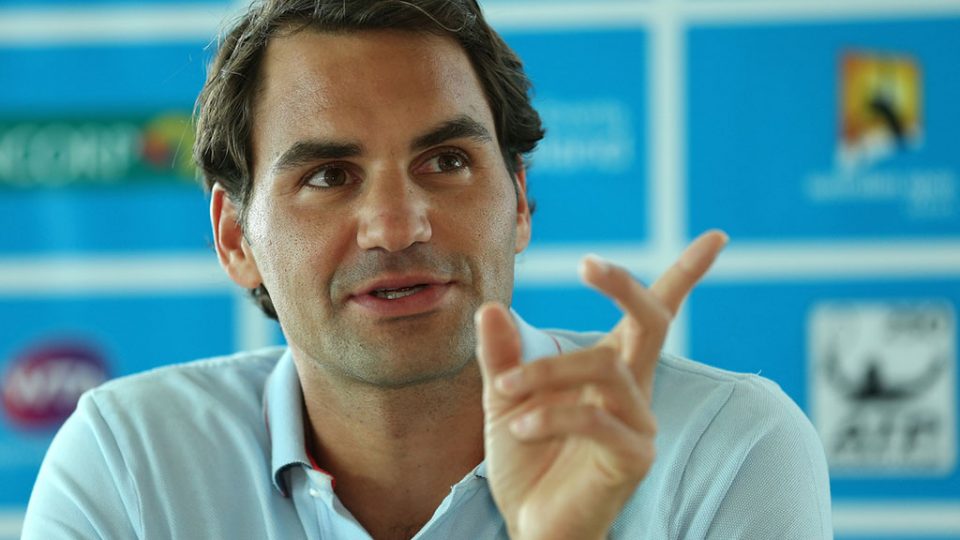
[{"x": 391, "y": 449}]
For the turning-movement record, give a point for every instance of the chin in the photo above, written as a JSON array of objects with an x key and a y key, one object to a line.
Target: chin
[{"x": 415, "y": 361}]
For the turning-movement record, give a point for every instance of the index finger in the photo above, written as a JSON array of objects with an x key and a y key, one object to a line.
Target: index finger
[{"x": 676, "y": 283}]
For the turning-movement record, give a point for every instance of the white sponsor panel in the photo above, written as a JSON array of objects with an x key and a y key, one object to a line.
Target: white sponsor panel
[{"x": 883, "y": 386}]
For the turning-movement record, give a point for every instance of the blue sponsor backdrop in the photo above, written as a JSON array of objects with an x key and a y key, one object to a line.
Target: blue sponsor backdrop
[
  {"x": 764, "y": 328},
  {"x": 66, "y": 118},
  {"x": 575, "y": 307},
  {"x": 105, "y": 78},
  {"x": 129, "y": 333},
  {"x": 763, "y": 123},
  {"x": 593, "y": 104},
  {"x": 47, "y": 4},
  {"x": 761, "y": 142},
  {"x": 105, "y": 219}
]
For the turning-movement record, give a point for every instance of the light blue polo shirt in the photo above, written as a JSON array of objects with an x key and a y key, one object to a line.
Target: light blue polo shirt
[{"x": 216, "y": 449}]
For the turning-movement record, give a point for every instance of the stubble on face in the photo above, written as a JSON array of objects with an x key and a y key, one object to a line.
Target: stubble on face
[
  {"x": 389, "y": 359},
  {"x": 309, "y": 262}
]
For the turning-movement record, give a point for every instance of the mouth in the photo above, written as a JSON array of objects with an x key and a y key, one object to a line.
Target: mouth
[
  {"x": 397, "y": 293},
  {"x": 402, "y": 296}
]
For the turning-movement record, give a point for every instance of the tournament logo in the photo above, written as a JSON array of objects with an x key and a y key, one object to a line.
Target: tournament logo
[
  {"x": 880, "y": 107},
  {"x": 42, "y": 385},
  {"x": 883, "y": 385},
  {"x": 879, "y": 156}
]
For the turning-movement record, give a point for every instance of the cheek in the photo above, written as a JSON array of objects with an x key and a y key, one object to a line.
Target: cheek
[
  {"x": 494, "y": 231},
  {"x": 486, "y": 216},
  {"x": 293, "y": 251}
]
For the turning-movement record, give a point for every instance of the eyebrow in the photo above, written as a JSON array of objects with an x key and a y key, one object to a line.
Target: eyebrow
[
  {"x": 309, "y": 151},
  {"x": 460, "y": 127},
  {"x": 303, "y": 152}
]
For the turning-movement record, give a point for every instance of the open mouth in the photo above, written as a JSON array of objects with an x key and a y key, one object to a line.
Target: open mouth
[
  {"x": 393, "y": 294},
  {"x": 403, "y": 297}
]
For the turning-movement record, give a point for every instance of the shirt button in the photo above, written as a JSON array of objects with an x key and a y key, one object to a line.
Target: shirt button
[{"x": 314, "y": 492}]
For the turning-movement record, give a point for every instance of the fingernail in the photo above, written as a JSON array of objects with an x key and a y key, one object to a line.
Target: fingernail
[
  {"x": 511, "y": 382},
  {"x": 525, "y": 425},
  {"x": 702, "y": 255},
  {"x": 602, "y": 264}
]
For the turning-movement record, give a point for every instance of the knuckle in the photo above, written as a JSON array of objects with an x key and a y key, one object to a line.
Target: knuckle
[
  {"x": 607, "y": 351},
  {"x": 545, "y": 420},
  {"x": 606, "y": 365},
  {"x": 649, "y": 424},
  {"x": 649, "y": 452},
  {"x": 540, "y": 371},
  {"x": 620, "y": 370},
  {"x": 639, "y": 457},
  {"x": 590, "y": 419},
  {"x": 646, "y": 455},
  {"x": 660, "y": 318}
]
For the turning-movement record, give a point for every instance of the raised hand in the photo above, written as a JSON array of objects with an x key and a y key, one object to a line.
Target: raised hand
[{"x": 569, "y": 438}]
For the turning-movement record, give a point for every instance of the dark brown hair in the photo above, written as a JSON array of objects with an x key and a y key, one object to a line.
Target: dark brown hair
[{"x": 224, "y": 109}]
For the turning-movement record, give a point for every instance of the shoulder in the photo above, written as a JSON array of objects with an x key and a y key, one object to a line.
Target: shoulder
[
  {"x": 218, "y": 375},
  {"x": 727, "y": 445},
  {"x": 689, "y": 392},
  {"x": 181, "y": 417},
  {"x": 198, "y": 427},
  {"x": 231, "y": 384},
  {"x": 707, "y": 392}
]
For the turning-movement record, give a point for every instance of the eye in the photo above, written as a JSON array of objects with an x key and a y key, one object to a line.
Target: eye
[
  {"x": 328, "y": 176},
  {"x": 444, "y": 162}
]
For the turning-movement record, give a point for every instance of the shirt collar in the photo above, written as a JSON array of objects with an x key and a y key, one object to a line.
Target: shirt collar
[
  {"x": 283, "y": 413},
  {"x": 283, "y": 404},
  {"x": 535, "y": 343}
]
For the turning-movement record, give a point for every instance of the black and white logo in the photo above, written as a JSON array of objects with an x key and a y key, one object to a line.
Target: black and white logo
[{"x": 883, "y": 386}]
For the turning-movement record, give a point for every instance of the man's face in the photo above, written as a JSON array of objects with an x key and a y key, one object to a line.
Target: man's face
[{"x": 382, "y": 212}]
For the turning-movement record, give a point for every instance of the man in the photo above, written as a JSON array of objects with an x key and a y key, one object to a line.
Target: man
[{"x": 365, "y": 165}]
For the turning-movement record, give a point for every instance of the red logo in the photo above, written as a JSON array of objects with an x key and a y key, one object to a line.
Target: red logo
[{"x": 42, "y": 386}]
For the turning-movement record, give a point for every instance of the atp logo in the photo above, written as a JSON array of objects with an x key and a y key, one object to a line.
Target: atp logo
[
  {"x": 42, "y": 385},
  {"x": 883, "y": 383}
]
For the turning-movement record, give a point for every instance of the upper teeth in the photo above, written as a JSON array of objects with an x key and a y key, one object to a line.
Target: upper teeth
[{"x": 393, "y": 294}]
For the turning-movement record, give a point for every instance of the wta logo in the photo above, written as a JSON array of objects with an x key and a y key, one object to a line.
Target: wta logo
[{"x": 41, "y": 387}]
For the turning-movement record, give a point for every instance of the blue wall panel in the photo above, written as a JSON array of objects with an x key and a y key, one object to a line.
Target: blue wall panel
[
  {"x": 593, "y": 104},
  {"x": 125, "y": 334},
  {"x": 768, "y": 329},
  {"x": 108, "y": 78},
  {"x": 763, "y": 112}
]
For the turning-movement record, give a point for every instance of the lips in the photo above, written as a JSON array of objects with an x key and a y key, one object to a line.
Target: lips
[
  {"x": 397, "y": 284},
  {"x": 401, "y": 296},
  {"x": 393, "y": 294}
]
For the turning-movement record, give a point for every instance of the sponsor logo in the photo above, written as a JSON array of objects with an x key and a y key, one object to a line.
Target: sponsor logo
[
  {"x": 42, "y": 385},
  {"x": 880, "y": 98},
  {"x": 883, "y": 385},
  {"x": 586, "y": 136},
  {"x": 56, "y": 153},
  {"x": 880, "y": 102}
]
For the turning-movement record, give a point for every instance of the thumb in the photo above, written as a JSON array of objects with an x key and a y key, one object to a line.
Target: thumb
[{"x": 498, "y": 350}]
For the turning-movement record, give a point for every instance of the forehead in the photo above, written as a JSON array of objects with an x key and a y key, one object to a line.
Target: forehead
[{"x": 354, "y": 84}]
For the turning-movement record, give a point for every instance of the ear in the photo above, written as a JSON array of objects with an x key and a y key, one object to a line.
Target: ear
[
  {"x": 523, "y": 209},
  {"x": 233, "y": 251}
]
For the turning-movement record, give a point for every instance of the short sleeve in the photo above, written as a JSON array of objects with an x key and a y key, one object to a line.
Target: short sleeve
[
  {"x": 83, "y": 489},
  {"x": 778, "y": 487}
]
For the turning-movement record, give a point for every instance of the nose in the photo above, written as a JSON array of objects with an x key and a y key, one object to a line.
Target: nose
[{"x": 393, "y": 214}]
